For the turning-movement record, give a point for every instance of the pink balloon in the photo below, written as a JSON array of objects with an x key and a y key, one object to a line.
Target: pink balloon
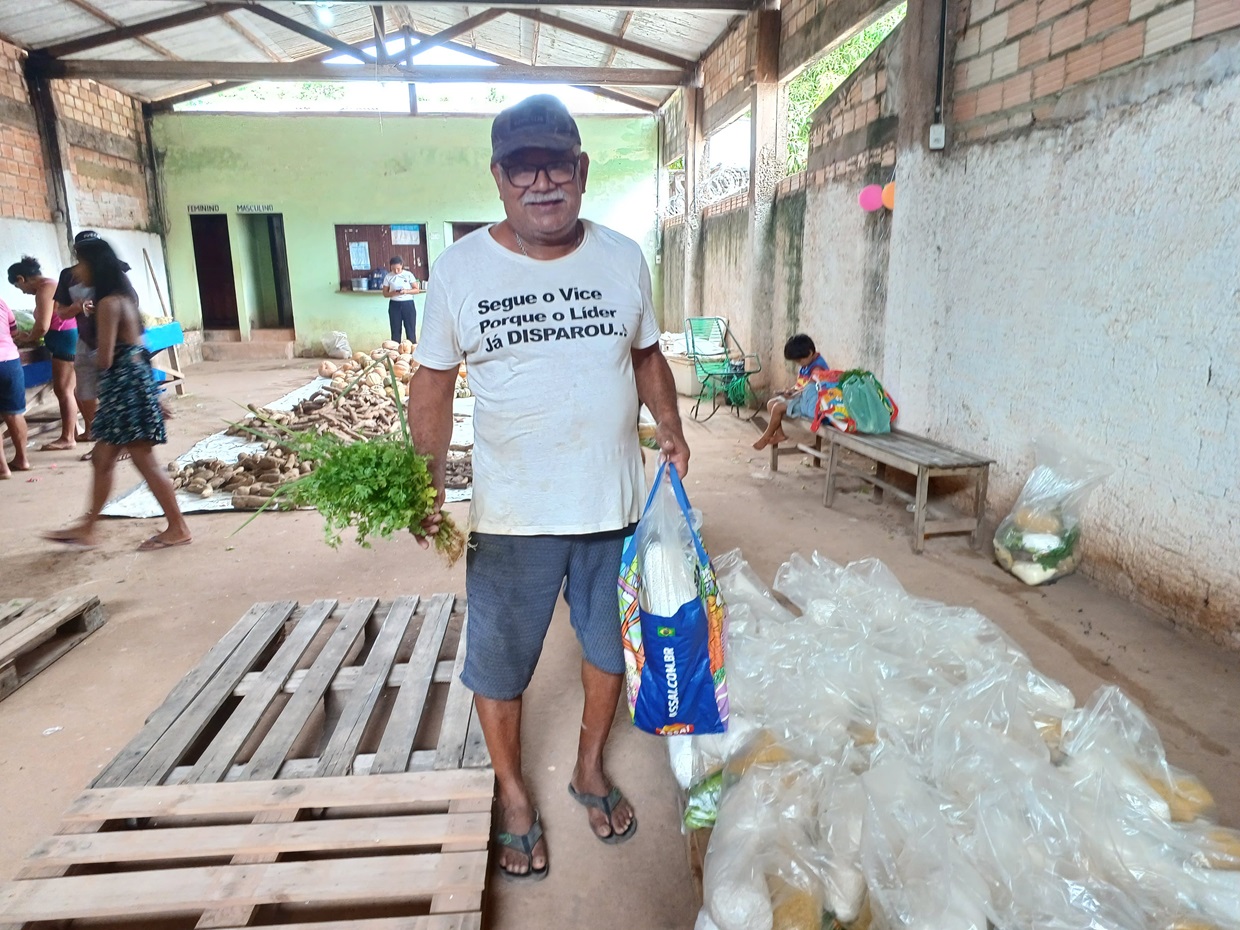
[{"x": 871, "y": 198}]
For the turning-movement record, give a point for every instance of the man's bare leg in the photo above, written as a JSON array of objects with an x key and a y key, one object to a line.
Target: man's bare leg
[
  {"x": 501, "y": 726},
  {"x": 602, "y": 695}
]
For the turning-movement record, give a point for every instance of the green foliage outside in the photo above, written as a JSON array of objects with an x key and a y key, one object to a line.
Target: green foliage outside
[
  {"x": 807, "y": 91},
  {"x": 267, "y": 91}
]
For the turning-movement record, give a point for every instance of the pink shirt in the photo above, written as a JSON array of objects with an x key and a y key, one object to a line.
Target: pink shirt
[
  {"x": 8, "y": 349},
  {"x": 59, "y": 322}
]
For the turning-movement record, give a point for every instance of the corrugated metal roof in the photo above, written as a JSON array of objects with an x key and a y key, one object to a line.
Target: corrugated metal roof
[{"x": 244, "y": 36}]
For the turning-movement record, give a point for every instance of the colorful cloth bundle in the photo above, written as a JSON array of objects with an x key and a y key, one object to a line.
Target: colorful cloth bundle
[{"x": 854, "y": 401}]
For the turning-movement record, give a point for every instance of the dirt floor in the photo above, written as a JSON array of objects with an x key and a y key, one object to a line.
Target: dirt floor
[{"x": 165, "y": 609}]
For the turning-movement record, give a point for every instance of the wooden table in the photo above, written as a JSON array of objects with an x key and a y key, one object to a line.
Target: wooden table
[{"x": 915, "y": 455}]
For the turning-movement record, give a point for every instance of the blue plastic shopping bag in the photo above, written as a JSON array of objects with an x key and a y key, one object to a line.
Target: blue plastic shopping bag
[{"x": 672, "y": 619}]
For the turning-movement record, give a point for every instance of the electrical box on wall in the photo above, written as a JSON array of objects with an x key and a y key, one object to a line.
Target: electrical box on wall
[{"x": 938, "y": 136}]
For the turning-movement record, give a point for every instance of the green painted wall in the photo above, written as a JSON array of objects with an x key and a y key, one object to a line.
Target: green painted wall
[{"x": 320, "y": 171}]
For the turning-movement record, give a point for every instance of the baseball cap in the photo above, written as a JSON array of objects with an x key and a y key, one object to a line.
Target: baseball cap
[
  {"x": 86, "y": 235},
  {"x": 538, "y": 122}
]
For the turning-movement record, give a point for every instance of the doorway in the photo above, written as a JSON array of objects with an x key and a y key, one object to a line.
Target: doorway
[
  {"x": 464, "y": 229},
  {"x": 217, "y": 290},
  {"x": 271, "y": 302}
]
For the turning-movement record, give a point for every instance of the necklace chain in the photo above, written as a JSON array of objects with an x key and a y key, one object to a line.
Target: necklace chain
[{"x": 521, "y": 243}]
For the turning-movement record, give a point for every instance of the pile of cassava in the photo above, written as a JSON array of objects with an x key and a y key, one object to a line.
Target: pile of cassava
[
  {"x": 252, "y": 480},
  {"x": 360, "y": 403}
]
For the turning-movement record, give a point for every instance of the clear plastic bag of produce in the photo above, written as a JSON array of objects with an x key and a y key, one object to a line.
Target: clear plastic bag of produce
[
  {"x": 1039, "y": 540},
  {"x": 1111, "y": 736},
  {"x": 336, "y": 345},
  {"x": 25, "y": 320},
  {"x": 917, "y": 877},
  {"x": 764, "y": 867}
]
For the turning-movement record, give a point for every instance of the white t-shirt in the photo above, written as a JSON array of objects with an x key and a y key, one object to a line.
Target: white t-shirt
[
  {"x": 399, "y": 282},
  {"x": 548, "y": 347}
]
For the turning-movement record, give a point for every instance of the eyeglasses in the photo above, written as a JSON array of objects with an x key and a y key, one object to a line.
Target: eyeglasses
[{"x": 558, "y": 172}]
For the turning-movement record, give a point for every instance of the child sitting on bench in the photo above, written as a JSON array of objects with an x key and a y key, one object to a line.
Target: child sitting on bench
[{"x": 801, "y": 401}]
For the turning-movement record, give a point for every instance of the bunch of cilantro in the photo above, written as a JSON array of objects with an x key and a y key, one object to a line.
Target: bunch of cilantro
[{"x": 380, "y": 486}]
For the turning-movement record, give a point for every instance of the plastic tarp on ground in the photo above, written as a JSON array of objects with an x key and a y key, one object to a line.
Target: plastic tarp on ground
[
  {"x": 138, "y": 502},
  {"x": 896, "y": 763}
]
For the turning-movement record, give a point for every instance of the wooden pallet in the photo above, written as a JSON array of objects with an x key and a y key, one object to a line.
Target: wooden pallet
[
  {"x": 226, "y": 854},
  {"x": 319, "y": 762},
  {"x": 34, "y": 634},
  {"x": 318, "y": 691}
]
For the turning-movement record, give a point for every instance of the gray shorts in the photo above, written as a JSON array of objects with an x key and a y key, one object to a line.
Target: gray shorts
[
  {"x": 86, "y": 369},
  {"x": 512, "y": 584}
]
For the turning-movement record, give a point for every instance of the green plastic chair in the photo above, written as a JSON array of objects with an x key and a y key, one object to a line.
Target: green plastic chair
[{"x": 721, "y": 365}]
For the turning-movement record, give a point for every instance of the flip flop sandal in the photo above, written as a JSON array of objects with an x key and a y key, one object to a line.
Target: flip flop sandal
[
  {"x": 524, "y": 843},
  {"x": 605, "y": 803},
  {"x": 154, "y": 544}
]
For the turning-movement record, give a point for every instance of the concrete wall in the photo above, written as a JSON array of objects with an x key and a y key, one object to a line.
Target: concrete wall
[
  {"x": 673, "y": 273},
  {"x": 1086, "y": 279},
  {"x": 320, "y": 171},
  {"x": 725, "y": 269}
]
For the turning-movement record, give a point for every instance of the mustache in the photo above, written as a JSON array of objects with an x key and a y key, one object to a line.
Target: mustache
[{"x": 543, "y": 197}]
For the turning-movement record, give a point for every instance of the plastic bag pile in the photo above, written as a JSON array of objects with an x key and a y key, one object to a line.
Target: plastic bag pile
[{"x": 892, "y": 762}]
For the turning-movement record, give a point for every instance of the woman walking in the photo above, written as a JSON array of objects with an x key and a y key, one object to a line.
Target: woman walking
[
  {"x": 59, "y": 335},
  {"x": 129, "y": 417}
]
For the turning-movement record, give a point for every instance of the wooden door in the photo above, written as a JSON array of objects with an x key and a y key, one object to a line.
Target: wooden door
[{"x": 217, "y": 289}]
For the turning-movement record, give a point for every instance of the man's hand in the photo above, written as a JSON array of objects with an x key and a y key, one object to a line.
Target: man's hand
[
  {"x": 429, "y": 411},
  {"x": 672, "y": 444},
  {"x": 430, "y": 526}
]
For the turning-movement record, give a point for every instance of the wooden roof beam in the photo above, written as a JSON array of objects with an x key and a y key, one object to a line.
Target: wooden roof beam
[
  {"x": 309, "y": 32},
  {"x": 640, "y": 103},
  {"x": 606, "y": 38},
  {"x": 445, "y": 36},
  {"x": 117, "y": 26},
  {"x": 131, "y": 70},
  {"x": 136, "y": 30}
]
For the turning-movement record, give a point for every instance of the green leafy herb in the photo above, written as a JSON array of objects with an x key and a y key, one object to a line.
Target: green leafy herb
[
  {"x": 380, "y": 486},
  {"x": 1053, "y": 557}
]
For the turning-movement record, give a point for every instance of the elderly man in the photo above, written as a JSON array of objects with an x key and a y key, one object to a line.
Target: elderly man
[{"x": 553, "y": 315}]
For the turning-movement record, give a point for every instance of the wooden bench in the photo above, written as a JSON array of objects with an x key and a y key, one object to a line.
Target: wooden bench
[{"x": 915, "y": 455}]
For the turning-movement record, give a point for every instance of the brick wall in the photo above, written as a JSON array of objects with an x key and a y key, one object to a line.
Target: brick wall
[
  {"x": 1015, "y": 57},
  {"x": 23, "y": 184},
  {"x": 104, "y": 140},
  {"x": 672, "y": 128},
  {"x": 727, "y": 74}
]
